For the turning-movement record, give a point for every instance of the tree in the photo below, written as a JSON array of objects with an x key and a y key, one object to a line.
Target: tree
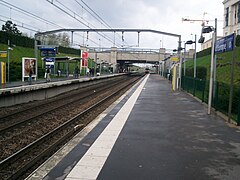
[
  {"x": 65, "y": 40},
  {"x": 11, "y": 28},
  {"x": 57, "y": 39}
]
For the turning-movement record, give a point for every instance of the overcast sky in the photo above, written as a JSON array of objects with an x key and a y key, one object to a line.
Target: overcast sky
[{"x": 161, "y": 15}]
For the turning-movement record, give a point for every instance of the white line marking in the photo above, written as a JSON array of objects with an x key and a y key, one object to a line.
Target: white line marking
[{"x": 90, "y": 165}]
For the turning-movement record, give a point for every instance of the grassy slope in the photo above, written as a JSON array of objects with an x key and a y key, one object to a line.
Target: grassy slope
[
  {"x": 18, "y": 52},
  {"x": 223, "y": 66}
]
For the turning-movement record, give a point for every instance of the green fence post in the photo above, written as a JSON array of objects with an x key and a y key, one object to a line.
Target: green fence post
[
  {"x": 238, "y": 116},
  {"x": 203, "y": 89},
  {"x": 215, "y": 101},
  {"x": 183, "y": 80},
  {"x": 194, "y": 86}
]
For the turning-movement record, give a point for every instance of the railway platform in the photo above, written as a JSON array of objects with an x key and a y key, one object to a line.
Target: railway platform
[
  {"x": 22, "y": 92},
  {"x": 150, "y": 133}
]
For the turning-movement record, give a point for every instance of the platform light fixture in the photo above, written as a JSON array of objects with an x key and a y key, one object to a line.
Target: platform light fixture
[
  {"x": 195, "y": 55},
  {"x": 208, "y": 29}
]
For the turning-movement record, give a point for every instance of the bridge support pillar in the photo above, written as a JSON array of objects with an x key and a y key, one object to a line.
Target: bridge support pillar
[{"x": 113, "y": 58}]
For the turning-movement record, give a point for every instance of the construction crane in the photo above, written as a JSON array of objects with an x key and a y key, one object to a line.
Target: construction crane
[{"x": 198, "y": 20}]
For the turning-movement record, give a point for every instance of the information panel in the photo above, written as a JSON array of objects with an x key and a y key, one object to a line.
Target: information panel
[
  {"x": 47, "y": 52},
  {"x": 225, "y": 44}
]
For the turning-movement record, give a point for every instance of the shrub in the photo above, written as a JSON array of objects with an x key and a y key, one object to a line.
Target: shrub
[{"x": 238, "y": 40}]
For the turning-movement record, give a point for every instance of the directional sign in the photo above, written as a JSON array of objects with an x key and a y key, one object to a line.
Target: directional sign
[
  {"x": 49, "y": 62},
  {"x": 174, "y": 58},
  {"x": 225, "y": 44},
  {"x": 48, "y": 52}
]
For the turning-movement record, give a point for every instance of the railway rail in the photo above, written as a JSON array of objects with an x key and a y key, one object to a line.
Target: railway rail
[
  {"x": 15, "y": 119},
  {"x": 22, "y": 162}
]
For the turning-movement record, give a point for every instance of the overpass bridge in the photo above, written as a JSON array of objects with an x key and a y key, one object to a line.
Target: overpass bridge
[{"x": 115, "y": 56}]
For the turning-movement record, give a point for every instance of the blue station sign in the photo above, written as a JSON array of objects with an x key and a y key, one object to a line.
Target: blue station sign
[
  {"x": 225, "y": 44},
  {"x": 47, "y": 52}
]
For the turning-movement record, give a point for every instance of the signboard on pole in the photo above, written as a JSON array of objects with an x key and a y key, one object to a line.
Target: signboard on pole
[
  {"x": 49, "y": 62},
  {"x": 3, "y": 54},
  {"x": 3, "y": 72},
  {"x": 225, "y": 44},
  {"x": 84, "y": 59},
  {"x": 174, "y": 58},
  {"x": 47, "y": 52},
  {"x": 27, "y": 64}
]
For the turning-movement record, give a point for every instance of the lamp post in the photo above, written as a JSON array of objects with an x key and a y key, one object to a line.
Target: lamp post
[
  {"x": 208, "y": 29},
  {"x": 195, "y": 56},
  {"x": 8, "y": 55},
  {"x": 179, "y": 78},
  {"x": 211, "y": 75},
  {"x": 184, "y": 57}
]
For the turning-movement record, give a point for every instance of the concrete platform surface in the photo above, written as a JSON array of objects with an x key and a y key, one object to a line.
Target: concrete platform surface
[{"x": 154, "y": 133}]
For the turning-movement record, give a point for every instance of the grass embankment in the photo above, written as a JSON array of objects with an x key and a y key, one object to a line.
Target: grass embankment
[
  {"x": 18, "y": 52},
  {"x": 224, "y": 61},
  {"x": 16, "y": 55}
]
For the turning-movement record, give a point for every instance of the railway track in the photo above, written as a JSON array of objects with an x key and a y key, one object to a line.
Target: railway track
[
  {"x": 16, "y": 119},
  {"x": 16, "y": 165}
]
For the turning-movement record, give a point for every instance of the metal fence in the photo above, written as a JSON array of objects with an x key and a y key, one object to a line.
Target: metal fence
[{"x": 200, "y": 89}]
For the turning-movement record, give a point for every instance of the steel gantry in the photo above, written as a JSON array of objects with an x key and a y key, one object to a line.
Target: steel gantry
[{"x": 111, "y": 30}]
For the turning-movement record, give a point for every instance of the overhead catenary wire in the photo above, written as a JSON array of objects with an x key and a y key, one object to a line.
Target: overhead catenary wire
[
  {"x": 97, "y": 17},
  {"x": 31, "y": 15},
  {"x": 23, "y": 25},
  {"x": 74, "y": 16},
  {"x": 94, "y": 14}
]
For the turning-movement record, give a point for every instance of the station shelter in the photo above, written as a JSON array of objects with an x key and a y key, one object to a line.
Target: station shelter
[{"x": 66, "y": 65}]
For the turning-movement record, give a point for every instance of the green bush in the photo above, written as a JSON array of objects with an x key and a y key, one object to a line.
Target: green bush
[
  {"x": 15, "y": 71},
  {"x": 16, "y": 40},
  {"x": 204, "y": 52},
  {"x": 238, "y": 40},
  {"x": 67, "y": 50},
  {"x": 201, "y": 72}
]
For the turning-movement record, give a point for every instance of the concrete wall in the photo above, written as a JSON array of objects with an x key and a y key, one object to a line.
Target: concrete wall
[{"x": 24, "y": 94}]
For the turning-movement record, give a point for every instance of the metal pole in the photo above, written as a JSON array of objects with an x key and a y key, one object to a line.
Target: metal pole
[
  {"x": 184, "y": 59},
  {"x": 114, "y": 39},
  {"x": 180, "y": 72},
  {"x": 231, "y": 83},
  {"x": 215, "y": 61},
  {"x": 36, "y": 56},
  {"x": 163, "y": 69},
  {"x": 8, "y": 54},
  {"x": 211, "y": 75},
  {"x": 195, "y": 56},
  {"x": 180, "y": 68},
  {"x": 72, "y": 38},
  {"x": 159, "y": 70},
  {"x": 138, "y": 38}
]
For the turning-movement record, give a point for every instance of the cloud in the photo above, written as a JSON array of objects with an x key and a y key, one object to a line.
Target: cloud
[{"x": 162, "y": 15}]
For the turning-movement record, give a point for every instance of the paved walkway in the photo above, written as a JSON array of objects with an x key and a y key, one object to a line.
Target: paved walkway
[{"x": 167, "y": 135}]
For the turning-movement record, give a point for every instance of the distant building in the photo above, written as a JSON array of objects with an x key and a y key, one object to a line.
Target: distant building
[
  {"x": 208, "y": 43},
  {"x": 231, "y": 21},
  {"x": 231, "y": 17}
]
